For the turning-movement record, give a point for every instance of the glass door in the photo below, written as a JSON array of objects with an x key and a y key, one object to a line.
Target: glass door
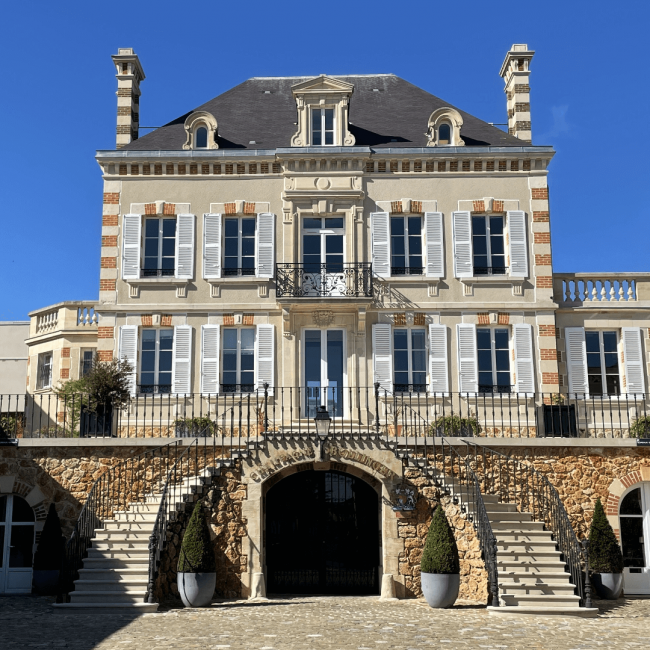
[
  {"x": 322, "y": 256},
  {"x": 634, "y": 515},
  {"x": 324, "y": 371},
  {"x": 16, "y": 545}
]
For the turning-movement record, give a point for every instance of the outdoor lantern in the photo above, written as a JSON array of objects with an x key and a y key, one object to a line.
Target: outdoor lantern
[{"x": 322, "y": 422}]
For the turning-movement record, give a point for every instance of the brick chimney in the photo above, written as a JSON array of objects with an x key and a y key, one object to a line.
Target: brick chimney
[
  {"x": 129, "y": 75},
  {"x": 515, "y": 71}
]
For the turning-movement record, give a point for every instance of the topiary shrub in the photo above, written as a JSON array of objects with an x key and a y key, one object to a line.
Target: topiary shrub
[
  {"x": 440, "y": 554},
  {"x": 51, "y": 545},
  {"x": 197, "y": 553},
  {"x": 604, "y": 552},
  {"x": 454, "y": 425}
]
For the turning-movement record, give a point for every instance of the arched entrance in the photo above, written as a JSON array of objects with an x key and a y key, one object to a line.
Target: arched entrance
[
  {"x": 17, "y": 525},
  {"x": 322, "y": 535},
  {"x": 634, "y": 514}
]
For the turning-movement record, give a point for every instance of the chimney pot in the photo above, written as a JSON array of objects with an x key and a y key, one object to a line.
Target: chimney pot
[
  {"x": 515, "y": 72},
  {"x": 129, "y": 74}
]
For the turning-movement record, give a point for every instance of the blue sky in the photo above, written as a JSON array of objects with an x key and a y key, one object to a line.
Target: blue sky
[{"x": 589, "y": 100}]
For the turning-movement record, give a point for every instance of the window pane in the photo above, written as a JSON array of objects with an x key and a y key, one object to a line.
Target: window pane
[
  {"x": 632, "y": 541},
  {"x": 334, "y": 244},
  {"x": 151, "y": 248},
  {"x": 397, "y": 225},
  {"x": 609, "y": 341},
  {"x": 592, "y": 340},
  {"x": 230, "y": 360},
  {"x": 231, "y": 228},
  {"x": 231, "y": 247},
  {"x": 496, "y": 225},
  {"x": 22, "y": 547},
  {"x": 397, "y": 245},
  {"x": 596, "y": 384},
  {"x": 316, "y": 119},
  {"x": 631, "y": 504},
  {"x": 333, "y": 222},
  {"x": 419, "y": 361},
  {"x": 311, "y": 244},
  {"x": 169, "y": 247},
  {"x": 247, "y": 339},
  {"x": 329, "y": 137},
  {"x": 166, "y": 339},
  {"x": 247, "y": 360},
  {"x": 501, "y": 339},
  {"x": 151, "y": 227},
  {"x": 329, "y": 119},
  {"x": 485, "y": 360},
  {"x": 312, "y": 357},
  {"x": 169, "y": 227},
  {"x": 148, "y": 339},
  {"x": 22, "y": 511},
  {"x": 229, "y": 339},
  {"x": 593, "y": 362},
  {"x": 483, "y": 339},
  {"x": 415, "y": 225},
  {"x": 502, "y": 360},
  {"x": 401, "y": 361},
  {"x": 478, "y": 226},
  {"x": 248, "y": 246},
  {"x": 444, "y": 134},
  {"x": 165, "y": 361},
  {"x": 311, "y": 222},
  {"x": 613, "y": 385},
  {"x": 248, "y": 227},
  {"x": 201, "y": 138},
  {"x": 400, "y": 339},
  {"x": 415, "y": 245},
  {"x": 148, "y": 361}
]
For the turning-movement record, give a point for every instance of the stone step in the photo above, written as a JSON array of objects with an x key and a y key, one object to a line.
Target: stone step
[
  {"x": 522, "y": 577},
  {"x": 123, "y": 546},
  {"x": 140, "y": 563},
  {"x": 510, "y": 515},
  {"x": 135, "y": 553},
  {"x": 123, "y": 535},
  {"x": 554, "y": 589},
  {"x": 127, "y": 525},
  {"x": 106, "y": 608},
  {"x": 526, "y": 565},
  {"x": 542, "y": 610},
  {"x": 524, "y": 547},
  {"x": 522, "y": 558},
  {"x": 107, "y": 596},
  {"x": 143, "y": 517},
  {"x": 507, "y": 526},
  {"x": 523, "y": 536},
  {"x": 551, "y": 600},
  {"x": 122, "y": 585},
  {"x": 497, "y": 506},
  {"x": 138, "y": 507},
  {"x": 115, "y": 572}
]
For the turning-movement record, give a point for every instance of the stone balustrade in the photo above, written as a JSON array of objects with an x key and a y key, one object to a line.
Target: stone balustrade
[
  {"x": 69, "y": 315},
  {"x": 613, "y": 288}
]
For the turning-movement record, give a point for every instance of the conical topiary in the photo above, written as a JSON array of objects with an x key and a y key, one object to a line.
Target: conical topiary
[
  {"x": 604, "y": 552},
  {"x": 49, "y": 553},
  {"x": 440, "y": 554},
  {"x": 197, "y": 553}
]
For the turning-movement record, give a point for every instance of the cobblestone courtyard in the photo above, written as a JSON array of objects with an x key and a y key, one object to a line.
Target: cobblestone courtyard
[{"x": 319, "y": 624}]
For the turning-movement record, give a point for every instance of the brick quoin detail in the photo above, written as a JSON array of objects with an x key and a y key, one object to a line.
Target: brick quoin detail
[
  {"x": 611, "y": 507},
  {"x": 539, "y": 192},
  {"x": 109, "y": 220},
  {"x": 150, "y": 208},
  {"x": 248, "y": 319},
  {"x": 230, "y": 208},
  {"x": 107, "y": 285},
  {"x": 544, "y": 282},
  {"x": 109, "y": 240},
  {"x": 497, "y": 206},
  {"x": 504, "y": 319},
  {"x": 109, "y": 263},
  {"x": 249, "y": 208},
  {"x": 542, "y": 237},
  {"x": 416, "y": 207},
  {"x": 111, "y": 198},
  {"x": 65, "y": 353},
  {"x": 484, "y": 319},
  {"x": 548, "y": 355},
  {"x": 547, "y": 330},
  {"x": 542, "y": 260},
  {"x": 396, "y": 207},
  {"x": 146, "y": 320},
  {"x": 478, "y": 206},
  {"x": 169, "y": 209},
  {"x": 550, "y": 378},
  {"x": 105, "y": 355},
  {"x": 65, "y": 373},
  {"x": 229, "y": 319},
  {"x": 105, "y": 332},
  {"x": 166, "y": 320}
]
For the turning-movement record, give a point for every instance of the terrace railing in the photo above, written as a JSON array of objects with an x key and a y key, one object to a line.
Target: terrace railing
[{"x": 333, "y": 280}]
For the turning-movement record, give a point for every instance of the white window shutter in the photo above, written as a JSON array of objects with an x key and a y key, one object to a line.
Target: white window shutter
[
  {"x": 438, "y": 365},
  {"x": 576, "y": 361},
  {"x": 128, "y": 350},
  {"x": 518, "y": 245},
  {"x": 382, "y": 355},
  {"x": 265, "y": 356},
  {"x": 467, "y": 358},
  {"x": 211, "y": 246},
  {"x": 463, "y": 264},
  {"x": 524, "y": 366},
  {"x": 131, "y": 246},
  {"x": 633, "y": 350},
  {"x": 265, "y": 245},
  {"x": 185, "y": 246},
  {"x": 380, "y": 235},
  {"x": 210, "y": 339},
  {"x": 182, "y": 360},
  {"x": 435, "y": 245}
]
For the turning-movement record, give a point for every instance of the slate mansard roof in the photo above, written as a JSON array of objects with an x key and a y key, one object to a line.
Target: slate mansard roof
[{"x": 385, "y": 111}]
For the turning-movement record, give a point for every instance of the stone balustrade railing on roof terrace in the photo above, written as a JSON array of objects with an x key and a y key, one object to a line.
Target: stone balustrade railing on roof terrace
[
  {"x": 68, "y": 315},
  {"x": 612, "y": 289}
]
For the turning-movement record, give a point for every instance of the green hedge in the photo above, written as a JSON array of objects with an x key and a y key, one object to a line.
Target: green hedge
[
  {"x": 197, "y": 552},
  {"x": 604, "y": 552},
  {"x": 440, "y": 553}
]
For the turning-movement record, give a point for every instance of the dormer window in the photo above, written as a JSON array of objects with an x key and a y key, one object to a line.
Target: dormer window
[
  {"x": 444, "y": 134},
  {"x": 201, "y": 138},
  {"x": 322, "y": 126},
  {"x": 444, "y": 128}
]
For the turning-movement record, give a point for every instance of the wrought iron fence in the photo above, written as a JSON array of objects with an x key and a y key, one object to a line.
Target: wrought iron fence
[{"x": 338, "y": 280}]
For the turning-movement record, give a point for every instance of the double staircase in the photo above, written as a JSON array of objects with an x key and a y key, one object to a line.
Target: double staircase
[{"x": 115, "y": 574}]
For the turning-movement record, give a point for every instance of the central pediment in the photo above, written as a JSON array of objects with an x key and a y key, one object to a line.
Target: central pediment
[{"x": 323, "y": 83}]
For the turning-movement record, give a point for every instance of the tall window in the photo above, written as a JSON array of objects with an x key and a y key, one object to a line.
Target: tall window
[
  {"x": 602, "y": 363},
  {"x": 410, "y": 360},
  {"x": 322, "y": 242},
  {"x": 632, "y": 537},
  {"x": 44, "y": 376},
  {"x": 201, "y": 138},
  {"x": 156, "y": 361},
  {"x": 322, "y": 126},
  {"x": 159, "y": 247},
  {"x": 238, "y": 362},
  {"x": 406, "y": 245},
  {"x": 488, "y": 244},
  {"x": 239, "y": 247},
  {"x": 493, "y": 360},
  {"x": 86, "y": 362},
  {"x": 444, "y": 134}
]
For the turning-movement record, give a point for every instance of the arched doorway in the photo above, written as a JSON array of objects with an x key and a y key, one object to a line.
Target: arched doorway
[
  {"x": 634, "y": 515},
  {"x": 322, "y": 535},
  {"x": 16, "y": 544}
]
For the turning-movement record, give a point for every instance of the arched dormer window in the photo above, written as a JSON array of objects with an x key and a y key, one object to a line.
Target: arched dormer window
[
  {"x": 444, "y": 128},
  {"x": 201, "y": 137},
  {"x": 200, "y": 131}
]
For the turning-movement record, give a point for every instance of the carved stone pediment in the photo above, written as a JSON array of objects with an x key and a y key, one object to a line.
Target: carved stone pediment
[{"x": 323, "y": 83}]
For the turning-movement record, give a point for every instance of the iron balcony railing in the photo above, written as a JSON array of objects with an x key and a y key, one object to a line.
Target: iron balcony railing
[
  {"x": 339, "y": 280},
  {"x": 157, "y": 273},
  {"x": 406, "y": 270},
  {"x": 490, "y": 270},
  {"x": 156, "y": 411},
  {"x": 234, "y": 272}
]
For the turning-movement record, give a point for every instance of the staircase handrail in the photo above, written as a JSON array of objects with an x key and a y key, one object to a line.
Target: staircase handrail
[
  {"x": 533, "y": 490},
  {"x": 109, "y": 491},
  {"x": 158, "y": 536}
]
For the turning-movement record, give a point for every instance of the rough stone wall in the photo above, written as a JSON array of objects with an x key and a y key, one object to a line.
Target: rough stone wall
[
  {"x": 413, "y": 528},
  {"x": 223, "y": 507}
]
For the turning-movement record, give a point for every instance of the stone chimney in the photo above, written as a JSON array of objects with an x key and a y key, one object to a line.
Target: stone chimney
[
  {"x": 129, "y": 75},
  {"x": 516, "y": 74}
]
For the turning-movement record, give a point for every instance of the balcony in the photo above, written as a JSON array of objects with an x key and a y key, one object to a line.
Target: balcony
[
  {"x": 351, "y": 280},
  {"x": 72, "y": 316},
  {"x": 588, "y": 290}
]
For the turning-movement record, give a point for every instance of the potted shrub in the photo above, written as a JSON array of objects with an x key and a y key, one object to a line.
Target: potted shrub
[
  {"x": 605, "y": 557},
  {"x": 440, "y": 566},
  {"x": 640, "y": 427},
  {"x": 49, "y": 556},
  {"x": 201, "y": 427},
  {"x": 395, "y": 429},
  {"x": 454, "y": 426},
  {"x": 197, "y": 575}
]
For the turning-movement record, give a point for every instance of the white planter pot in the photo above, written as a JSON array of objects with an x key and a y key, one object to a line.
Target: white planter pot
[
  {"x": 440, "y": 589},
  {"x": 196, "y": 589},
  {"x": 608, "y": 585}
]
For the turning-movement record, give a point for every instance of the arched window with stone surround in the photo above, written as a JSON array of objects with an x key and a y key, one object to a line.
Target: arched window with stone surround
[
  {"x": 201, "y": 137},
  {"x": 444, "y": 134},
  {"x": 634, "y": 522}
]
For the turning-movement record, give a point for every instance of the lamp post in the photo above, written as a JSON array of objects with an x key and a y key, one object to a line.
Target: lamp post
[{"x": 322, "y": 422}]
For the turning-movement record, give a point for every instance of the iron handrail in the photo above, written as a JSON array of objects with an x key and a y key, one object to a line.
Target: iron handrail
[{"x": 533, "y": 492}]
